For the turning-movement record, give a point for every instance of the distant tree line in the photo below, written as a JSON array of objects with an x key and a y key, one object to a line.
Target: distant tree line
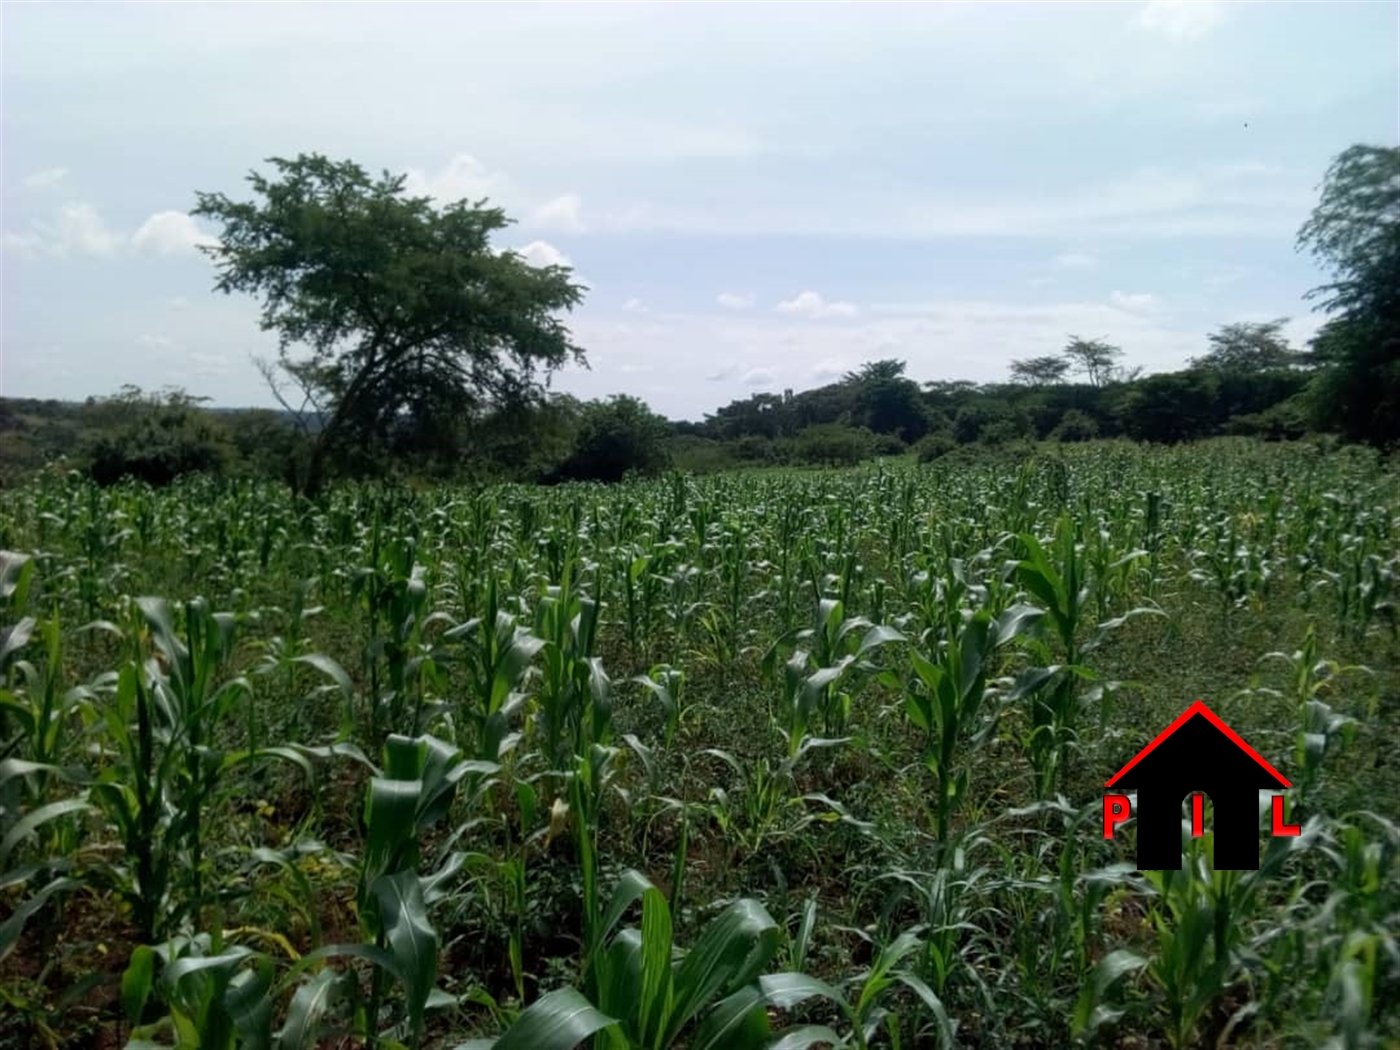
[
  {"x": 156, "y": 436},
  {"x": 409, "y": 344},
  {"x": 1250, "y": 381}
]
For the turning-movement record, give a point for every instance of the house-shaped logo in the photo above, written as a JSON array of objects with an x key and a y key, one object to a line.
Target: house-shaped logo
[{"x": 1198, "y": 754}]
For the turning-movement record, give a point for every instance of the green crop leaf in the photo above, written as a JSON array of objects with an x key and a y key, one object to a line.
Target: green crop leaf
[
  {"x": 1107, "y": 972},
  {"x": 733, "y": 949},
  {"x": 786, "y": 990},
  {"x": 13, "y": 926},
  {"x": 312, "y": 1002},
  {"x": 137, "y": 981},
  {"x": 403, "y": 918},
  {"x": 808, "y": 1036},
  {"x": 34, "y": 819},
  {"x": 558, "y": 1020},
  {"x": 737, "y": 1022},
  {"x": 331, "y": 669}
]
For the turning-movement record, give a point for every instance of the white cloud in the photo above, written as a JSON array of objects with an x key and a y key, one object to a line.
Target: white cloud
[
  {"x": 758, "y": 377},
  {"x": 811, "y": 304},
  {"x": 634, "y": 306},
  {"x": 463, "y": 178},
  {"x": 1180, "y": 19},
  {"x": 170, "y": 233},
  {"x": 78, "y": 229},
  {"x": 542, "y": 253},
  {"x": 561, "y": 213},
  {"x": 727, "y": 372},
  {"x": 25, "y": 244},
  {"x": 734, "y": 301},
  {"x": 1134, "y": 301},
  {"x": 158, "y": 343},
  {"x": 1074, "y": 261},
  {"x": 44, "y": 178},
  {"x": 81, "y": 229}
]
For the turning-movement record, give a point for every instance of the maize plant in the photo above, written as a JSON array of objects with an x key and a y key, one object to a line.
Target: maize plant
[
  {"x": 640, "y": 996},
  {"x": 881, "y": 702},
  {"x": 943, "y": 699}
]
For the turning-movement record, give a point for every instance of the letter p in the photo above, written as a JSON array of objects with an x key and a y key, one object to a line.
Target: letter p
[{"x": 1116, "y": 809}]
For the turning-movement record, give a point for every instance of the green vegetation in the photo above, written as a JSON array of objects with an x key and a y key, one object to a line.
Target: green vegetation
[
  {"x": 1355, "y": 232},
  {"x": 376, "y": 721},
  {"x": 763, "y": 759},
  {"x": 426, "y": 348},
  {"x": 405, "y": 313}
]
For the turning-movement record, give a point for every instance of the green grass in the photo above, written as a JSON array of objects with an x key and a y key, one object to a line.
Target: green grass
[{"x": 385, "y": 769}]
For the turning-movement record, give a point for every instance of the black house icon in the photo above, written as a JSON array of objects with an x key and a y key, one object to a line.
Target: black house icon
[{"x": 1198, "y": 752}]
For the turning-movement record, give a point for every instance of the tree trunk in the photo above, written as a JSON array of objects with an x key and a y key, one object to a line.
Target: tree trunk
[{"x": 311, "y": 485}]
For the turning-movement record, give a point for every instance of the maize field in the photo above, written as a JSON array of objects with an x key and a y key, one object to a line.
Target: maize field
[{"x": 753, "y": 760}]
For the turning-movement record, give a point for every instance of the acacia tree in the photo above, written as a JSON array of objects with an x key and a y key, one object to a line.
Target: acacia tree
[
  {"x": 391, "y": 311},
  {"x": 1249, "y": 347},
  {"x": 1039, "y": 371},
  {"x": 1094, "y": 358},
  {"x": 1355, "y": 232}
]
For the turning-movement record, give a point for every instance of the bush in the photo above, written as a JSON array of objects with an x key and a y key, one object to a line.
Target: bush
[
  {"x": 522, "y": 441},
  {"x": 831, "y": 444},
  {"x": 968, "y": 422},
  {"x": 266, "y": 443},
  {"x": 990, "y": 423},
  {"x": 934, "y": 446},
  {"x": 1171, "y": 407},
  {"x": 1286, "y": 421},
  {"x": 158, "y": 440},
  {"x": 1075, "y": 426},
  {"x": 888, "y": 445},
  {"x": 999, "y": 432},
  {"x": 754, "y": 449},
  {"x": 700, "y": 455},
  {"x": 617, "y": 437}
]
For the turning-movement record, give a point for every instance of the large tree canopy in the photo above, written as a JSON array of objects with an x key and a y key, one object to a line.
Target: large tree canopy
[
  {"x": 1095, "y": 359},
  {"x": 1040, "y": 371},
  {"x": 391, "y": 312},
  {"x": 1355, "y": 232},
  {"x": 886, "y": 401},
  {"x": 1249, "y": 346}
]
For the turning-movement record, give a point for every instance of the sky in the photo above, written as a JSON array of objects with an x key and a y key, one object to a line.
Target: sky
[{"x": 758, "y": 197}]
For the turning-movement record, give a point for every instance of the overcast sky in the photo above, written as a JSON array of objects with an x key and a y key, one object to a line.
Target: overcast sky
[{"x": 759, "y": 197}]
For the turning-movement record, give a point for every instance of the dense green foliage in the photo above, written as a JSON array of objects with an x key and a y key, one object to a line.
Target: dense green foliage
[
  {"x": 406, "y": 315},
  {"x": 616, "y": 437},
  {"x": 1355, "y": 232},
  {"x": 814, "y": 757},
  {"x": 154, "y": 439}
]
